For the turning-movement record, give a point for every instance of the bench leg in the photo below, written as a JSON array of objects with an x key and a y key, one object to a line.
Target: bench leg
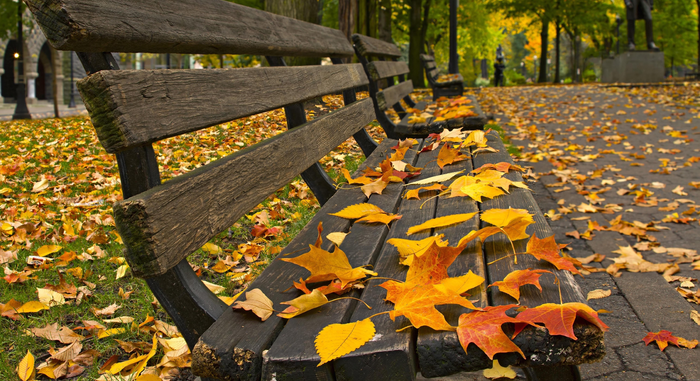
[{"x": 550, "y": 373}]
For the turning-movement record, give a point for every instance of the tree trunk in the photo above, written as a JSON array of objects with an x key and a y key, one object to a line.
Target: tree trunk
[
  {"x": 544, "y": 39},
  {"x": 697, "y": 2},
  {"x": 415, "y": 45},
  {"x": 54, "y": 88},
  {"x": 557, "y": 63},
  {"x": 305, "y": 10},
  {"x": 385, "y": 21}
]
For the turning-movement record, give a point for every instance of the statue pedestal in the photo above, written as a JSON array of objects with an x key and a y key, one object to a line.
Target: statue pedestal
[
  {"x": 608, "y": 70},
  {"x": 641, "y": 66}
]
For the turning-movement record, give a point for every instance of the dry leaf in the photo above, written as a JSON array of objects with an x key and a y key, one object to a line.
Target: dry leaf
[
  {"x": 337, "y": 340},
  {"x": 257, "y": 302},
  {"x": 598, "y": 294},
  {"x": 50, "y": 298},
  {"x": 107, "y": 311},
  {"x": 48, "y": 249},
  {"x": 303, "y": 304},
  {"x": 64, "y": 335},
  {"x": 436, "y": 179},
  {"x": 25, "y": 369},
  {"x": 499, "y": 372},
  {"x": 358, "y": 211},
  {"x": 441, "y": 222}
]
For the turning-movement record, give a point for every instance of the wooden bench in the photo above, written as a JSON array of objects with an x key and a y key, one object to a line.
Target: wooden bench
[
  {"x": 443, "y": 85},
  {"x": 380, "y": 60},
  {"x": 161, "y": 224}
]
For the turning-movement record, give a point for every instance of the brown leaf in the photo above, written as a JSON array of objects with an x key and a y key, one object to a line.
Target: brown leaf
[
  {"x": 257, "y": 302},
  {"x": 51, "y": 332}
]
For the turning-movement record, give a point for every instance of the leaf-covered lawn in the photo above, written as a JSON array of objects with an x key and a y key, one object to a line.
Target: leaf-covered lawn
[{"x": 81, "y": 313}]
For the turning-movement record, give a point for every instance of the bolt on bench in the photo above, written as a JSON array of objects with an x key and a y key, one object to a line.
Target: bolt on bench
[
  {"x": 379, "y": 58},
  {"x": 161, "y": 224}
]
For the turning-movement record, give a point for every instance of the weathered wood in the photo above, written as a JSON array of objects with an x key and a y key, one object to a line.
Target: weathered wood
[
  {"x": 228, "y": 353},
  {"x": 181, "y": 26},
  {"x": 164, "y": 225},
  {"x": 383, "y": 69},
  {"x": 140, "y": 106},
  {"x": 430, "y": 126},
  {"x": 392, "y": 95},
  {"x": 369, "y": 46},
  {"x": 392, "y": 355},
  {"x": 293, "y": 355}
]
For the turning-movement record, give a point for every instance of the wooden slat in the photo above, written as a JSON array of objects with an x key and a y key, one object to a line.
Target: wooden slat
[
  {"x": 433, "y": 74},
  {"x": 440, "y": 353},
  {"x": 429, "y": 126},
  {"x": 181, "y": 26},
  {"x": 132, "y": 107},
  {"x": 368, "y": 46},
  {"x": 392, "y": 95},
  {"x": 165, "y": 224},
  {"x": 392, "y": 355},
  {"x": 384, "y": 69},
  {"x": 429, "y": 65},
  {"x": 293, "y": 354},
  {"x": 233, "y": 347}
]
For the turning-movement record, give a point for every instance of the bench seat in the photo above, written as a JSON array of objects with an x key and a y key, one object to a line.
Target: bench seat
[
  {"x": 429, "y": 126},
  {"x": 441, "y": 88}
]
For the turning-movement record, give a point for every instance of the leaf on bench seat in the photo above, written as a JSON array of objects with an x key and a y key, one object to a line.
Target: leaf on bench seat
[
  {"x": 304, "y": 303},
  {"x": 441, "y": 222},
  {"x": 513, "y": 281},
  {"x": 559, "y": 318},
  {"x": 358, "y": 211},
  {"x": 483, "y": 328},
  {"x": 337, "y": 340},
  {"x": 325, "y": 265},
  {"x": 449, "y": 155},
  {"x": 257, "y": 302},
  {"x": 548, "y": 250}
]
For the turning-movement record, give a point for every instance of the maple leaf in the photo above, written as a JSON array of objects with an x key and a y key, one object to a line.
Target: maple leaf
[
  {"x": 441, "y": 222},
  {"x": 559, "y": 318},
  {"x": 483, "y": 328},
  {"x": 337, "y": 340},
  {"x": 431, "y": 266},
  {"x": 257, "y": 302},
  {"x": 449, "y": 155},
  {"x": 381, "y": 218},
  {"x": 547, "y": 249},
  {"x": 377, "y": 186},
  {"x": 324, "y": 265},
  {"x": 413, "y": 193},
  {"x": 304, "y": 303},
  {"x": 417, "y": 301},
  {"x": 664, "y": 337},
  {"x": 514, "y": 280},
  {"x": 362, "y": 180},
  {"x": 512, "y": 221},
  {"x": 410, "y": 248},
  {"x": 503, "y": 166},
  {"x": 478, "y": 190}
]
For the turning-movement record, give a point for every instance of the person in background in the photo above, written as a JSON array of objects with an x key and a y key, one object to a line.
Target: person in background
[{"x": 499, "y": 66}]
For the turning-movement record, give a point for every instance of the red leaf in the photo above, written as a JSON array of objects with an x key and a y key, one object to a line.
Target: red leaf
[
  {"x": 483, "y": 328},
  {"x": 548, "y": 250},
  {"x": 559, "y": 318},
  {"x": 664, "y": 337},
  {"x": 513, "y": 281}
]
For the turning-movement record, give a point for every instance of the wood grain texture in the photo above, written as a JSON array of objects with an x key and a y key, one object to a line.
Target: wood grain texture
[
  {"x": 383, "y": 69},
  {"x": 165, "y": 224},
  {"x": 132, "y": 107},
  {"x": 232, "y": 348},
  {"x": 293, "y": 355},
  {"x": 369, "y": 46},
  {"x": 392, "y": 95},
  {"x": 181, "y": 26}
]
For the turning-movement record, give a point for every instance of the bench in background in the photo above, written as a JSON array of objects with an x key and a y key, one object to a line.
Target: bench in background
[{"x": 443, "y": 85}]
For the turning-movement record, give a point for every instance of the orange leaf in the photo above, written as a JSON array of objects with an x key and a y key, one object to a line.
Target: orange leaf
[
  {"x": 559, "y": 318},
  {"x": 358, "y": 211},
  {"x": 324, "y": 265},
  {"x": 548, "y": 250},
  {"x": 409, "y": 248},
  {"x": 381, "y": 218},
  {"x": 413, "y": 193},
  {"x": 483, "y": 328},
  {"x": 513, "y": 281},
  {"x": 431, "y": 267},
  {"x": 501, "y": 167},
  {"x": 664, "y": 337},
  {"x": 448, "y": 155},
  {"x": 441, "y": 222},
  {"x": 512, "y": 221},
  {"x": 376, "y": 187},
  {"x": 303, "y": 304},
  {"x": 362, "y": 180}
]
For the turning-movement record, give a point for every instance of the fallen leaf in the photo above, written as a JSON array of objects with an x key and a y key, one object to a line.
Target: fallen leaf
[
  {"x": 559, "y": 318},
  {"x": 441, "y": 222},
  {"x": 32, "y": 306},
  {"x": 325, "y": 265},
  {"x": 337, "y": 340},
  {"x": 212, "y": 249},
  {"x": 358, "y": 211},
  {"x": 483, "y": 328},
  {"x": 547, "y": 249},
  {"x": 25, "y": 369},
  {"x": 380, "y": 218},
  {"x": 695, "y": 316},
  {"x": 50, "y": 298},
  {"x": 257, "y": 302},
  {"x": 68, "y": 353},
  {"x": 598, "y": 294},
  {"x": 110, "y": 332},
  {"x": 215, "y": 288},
  {"x": 512, "y": 221},
  {"x": 64, "y": 335},
  {"x": 497, "y": 371},
  {"x": 449, "y": 155},
  {"x": 337, "y": 237},
  {"x": 436, "y": 179},
  {"x": 48, "y": 249},
  {"x": 303, "y": 304},
  {"x": 664, "y": 337},
  {"x": 107, "y": 311},
  {"x": 413, "y": 193},
  {"x": 514, "y": 280}
]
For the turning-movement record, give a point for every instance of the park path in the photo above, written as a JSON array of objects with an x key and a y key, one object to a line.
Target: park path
[{"x": 603, "y": 156}]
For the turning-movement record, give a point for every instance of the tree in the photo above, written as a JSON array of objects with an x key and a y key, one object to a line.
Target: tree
[
  {"x": 674, "y": 27},
  {"x": 420, "y": 13},
  {"x": 305, "y": 10},
  {"x": 385, "y": 21}
]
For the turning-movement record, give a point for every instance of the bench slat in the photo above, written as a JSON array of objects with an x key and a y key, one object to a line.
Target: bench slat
[
  {"x": 132, "y": 107},
  {"x": 369, "y": 46},
  {"x": 222, "y": 349},
  {"x": 293, "y": 353},
  {"x": 168, "y": 222},
  {"x": 470, "y": 123},
  {"x": 188, "y": 27},
  {"x": 392, "y": 95},
  {"x": 384, "y": 69},
  {"x": 392, "y": 357}
]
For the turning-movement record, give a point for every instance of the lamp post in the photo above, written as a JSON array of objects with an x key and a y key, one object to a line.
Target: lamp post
[
  {"x": 522, "y": 69},
  {"x": 534, "y": 68},
  {"x": 549, "y": 62},
  {"x": 618, "y": 21},
  {"x": 71, "y": 102},
  {"x": 21, "y": 110}
]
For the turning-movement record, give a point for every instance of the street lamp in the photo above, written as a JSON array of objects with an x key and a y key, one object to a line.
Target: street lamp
[
  {"x": 534, "y": 68},
  {"x": 21, "y": 110},
  {"x": 71, "y": 102}
]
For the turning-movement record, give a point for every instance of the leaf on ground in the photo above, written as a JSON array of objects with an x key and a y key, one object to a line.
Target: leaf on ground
[
  {"x": 664, "y": 337},
  {"x": 358, "y": 211},
  {"x": 695, "y": 316},
  {"x": 64, "y": 335},
  {"x": 257, "y": 302},
  {"x": 67, "y": 353},
  {"x": 337, "y": 340},
  {"x": 215, "y": 288},
  {"x": 498, "y": 371},
  {"x": 559, "y": 318},
  {"x": 547, "y": 249},
  {"x": 449, "y": 155},
  {"x": 50, "y": 298},
  {"x": 302, "y": 304},
  {"x": 441, "y": 222},
  {"x": 120, "y": 320},
  {"x": 514, "y": 222},
  {"x": 139, "y": 363},
  {"x": 107, "y": 311},
  {"x": 48, "y": 249},
  {"x": 325, "y": 265},
  {"x": 483, "y": 328},
  {"x": 110, "y": 332},
  {"x": 514, "y": 280},
  {"x": 380, "y": 218},
  {"x": 436, "y": 179},
  {"x": 211, "y": 249},
  {"x": 598, "y": 294},
  {"x": 25, "y": 369},
  {"x": 7, "y": 256},
  {"x": 32, "y": 306}
]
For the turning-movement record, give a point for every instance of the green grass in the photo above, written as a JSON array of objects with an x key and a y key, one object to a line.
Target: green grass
[{"x": 512, "y": 150}]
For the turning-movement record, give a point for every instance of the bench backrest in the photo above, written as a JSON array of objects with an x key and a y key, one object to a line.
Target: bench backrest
[
  {"x": 431, "y": 70},
  {"x": 380, "y": 59},
  {"x": 161, "y": 224}
]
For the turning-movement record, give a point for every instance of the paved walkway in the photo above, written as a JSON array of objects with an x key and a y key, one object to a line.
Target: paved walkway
[
  {"x": 623, "y": 152},
  {"x": 41, "y": 110}
]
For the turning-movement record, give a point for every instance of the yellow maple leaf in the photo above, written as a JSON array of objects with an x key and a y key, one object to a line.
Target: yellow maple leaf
[
  {"x": 512, "y": 221},
  {"x": 479, "y": 190},
  {"x": 337, "y": 340},
  {"x": 449, "y": 155},
  {"x": 441, "y": 222},
  {"x": 325, "y": 265},
  {"x": 378, "y": 186},
  {"x": 257, "y": 302},
  {"x": 304, "y": 303},
  {"x": 358, "y": 211}
]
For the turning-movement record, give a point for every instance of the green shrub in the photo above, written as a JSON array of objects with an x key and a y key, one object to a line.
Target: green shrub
[
  {"x": 589, "y": 76},
  {"x": 482, "y": 82},
  {"x": 514, "y": 78}
]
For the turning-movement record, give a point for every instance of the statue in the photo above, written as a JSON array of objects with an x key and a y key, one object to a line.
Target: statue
[
  {"x": 640, "y": 10},
  {"x": 499, "y": 66}
]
